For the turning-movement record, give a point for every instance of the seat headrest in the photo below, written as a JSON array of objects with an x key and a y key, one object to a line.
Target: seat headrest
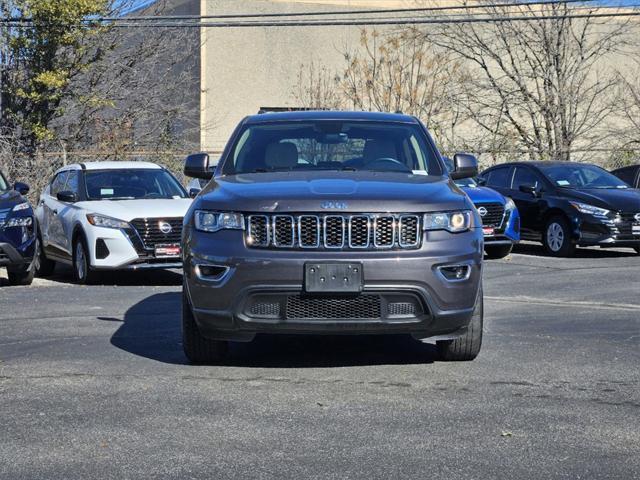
[
  {"x": 375, "y": 149},
  {"x": 281, "y": 155}
]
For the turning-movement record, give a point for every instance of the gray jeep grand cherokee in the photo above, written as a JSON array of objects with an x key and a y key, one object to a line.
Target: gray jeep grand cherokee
[{"x": 331, "y": 223}]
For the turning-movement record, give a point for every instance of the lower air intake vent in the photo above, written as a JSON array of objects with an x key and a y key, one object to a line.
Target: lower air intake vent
[{"x": 360, "y": 307}]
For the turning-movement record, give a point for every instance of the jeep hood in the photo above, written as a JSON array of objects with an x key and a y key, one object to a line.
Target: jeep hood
[
  {"x": 313, "y": 191},
  {"x": 127, "y": 210}
]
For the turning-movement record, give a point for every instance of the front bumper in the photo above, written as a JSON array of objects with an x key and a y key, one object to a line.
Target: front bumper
[
  {"x": 112, "y": 249},
  {"x": 224, "y": 306},
  {"x": 589, "y": 231},
  {"x": 19, "y": 255}
]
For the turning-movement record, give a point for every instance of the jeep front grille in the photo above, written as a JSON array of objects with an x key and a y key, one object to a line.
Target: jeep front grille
[{"x": 330, "y": 231}]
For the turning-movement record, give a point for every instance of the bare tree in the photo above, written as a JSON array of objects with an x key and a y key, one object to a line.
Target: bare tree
[
  {"x": 391, "y": 72},
  {"x": 542, "y": 85}
]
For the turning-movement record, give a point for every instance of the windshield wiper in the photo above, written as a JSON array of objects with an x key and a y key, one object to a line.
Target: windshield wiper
[{"x": 118, "y": 198}]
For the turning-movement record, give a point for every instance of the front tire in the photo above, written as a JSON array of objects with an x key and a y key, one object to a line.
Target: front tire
[
  {"x": 556, "y": 237},
  {"x": 199, "y": 349},
  {"x": 495, "y": 252},
  {"x": 43, "y": 266},
  {"x": 21, "y": 276},
  {"x": 467, "y": 347},
  {"x": 81, "y": 265}
]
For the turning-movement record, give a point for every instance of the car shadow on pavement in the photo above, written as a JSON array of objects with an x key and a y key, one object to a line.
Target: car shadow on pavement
[
  {"x": 537, "y": 250},
  {"x": 151, "y": 329},
  {"x": 126, "y": 278}
]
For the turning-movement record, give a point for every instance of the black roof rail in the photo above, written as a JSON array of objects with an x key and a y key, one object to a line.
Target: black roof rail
[{"x": 287, "y": 109}]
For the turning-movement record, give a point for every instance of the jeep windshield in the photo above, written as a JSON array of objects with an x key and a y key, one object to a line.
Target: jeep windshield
[
  {"x": 332, "y": 145},
  {"x": 132, "y": 184}
]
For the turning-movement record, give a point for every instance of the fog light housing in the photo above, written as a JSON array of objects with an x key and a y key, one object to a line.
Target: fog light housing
[
  {"x": 455, "y": 273},
  {"x": 211, "y": 272}
]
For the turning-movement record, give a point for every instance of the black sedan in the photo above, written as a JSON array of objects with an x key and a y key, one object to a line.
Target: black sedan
[
  {"x": 569, "y": 204},
  {"x": 629, "y": 175}
]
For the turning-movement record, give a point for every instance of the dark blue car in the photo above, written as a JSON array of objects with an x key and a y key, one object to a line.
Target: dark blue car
[
  {"x": 500, "y": 218},
  {"x": 18, "y": 239}
]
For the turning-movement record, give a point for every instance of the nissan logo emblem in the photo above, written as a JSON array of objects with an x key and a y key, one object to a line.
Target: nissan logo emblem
[
  {"x": 165, "y": 227},
  {"x": 482, "y": 211},
  {"x": 637, "y": 217},
  {"x": 330, "y": 205}
]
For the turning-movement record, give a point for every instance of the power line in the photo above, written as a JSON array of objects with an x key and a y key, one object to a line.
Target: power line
[
  {"x": 155, "y": 18},
  {"x": 346, "y": 12}
]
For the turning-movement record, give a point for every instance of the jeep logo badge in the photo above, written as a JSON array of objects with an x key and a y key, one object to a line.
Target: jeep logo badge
[
  {"x": 165, "y": 227},
  {"x": 482, "y": 211},
  {"x": 329, "y": 205}
]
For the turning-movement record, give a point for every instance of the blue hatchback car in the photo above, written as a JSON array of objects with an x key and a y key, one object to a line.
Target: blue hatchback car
[
  {"x": 18, "y": 238},
  {"x": 500, "y": 218}
]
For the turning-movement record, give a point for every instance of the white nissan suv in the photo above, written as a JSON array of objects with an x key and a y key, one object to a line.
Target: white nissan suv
[{"x": 111, "y": 216}]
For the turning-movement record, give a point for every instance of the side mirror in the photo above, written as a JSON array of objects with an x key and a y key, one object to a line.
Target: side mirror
[
  {"x": 193, "y": 192},
  {"x": 529, "y": 189},
  {"x": 481, "y": 181},
  {"x": 465, "y": 165},
  {"x": 21, "y": 188},
  {"x": 197, "y": 165},
  {"x": 67, "y": 196}
]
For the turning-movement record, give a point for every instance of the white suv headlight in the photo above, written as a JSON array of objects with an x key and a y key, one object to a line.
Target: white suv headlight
[
  {"x": 453, "y": 222},
  {"x": 208, "y": 221},
  {"x": 106, "y": 222},
  {"x": 590, "y": 209}
]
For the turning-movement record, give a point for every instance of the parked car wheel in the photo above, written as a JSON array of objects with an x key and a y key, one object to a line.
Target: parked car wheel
[
  {"x": 43, "y": 266},
  {"x": 556, "y": 237},
  {"x": 467, "y": 346},
  {"x": 497, "y": 251},
  {"x": 21, "y": 276},
  {"x": 197, "y": 348},
  {"x": 81, "y": 266}
]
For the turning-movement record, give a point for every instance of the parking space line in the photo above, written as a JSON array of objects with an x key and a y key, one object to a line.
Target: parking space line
[{"x": 566, "y": 303}]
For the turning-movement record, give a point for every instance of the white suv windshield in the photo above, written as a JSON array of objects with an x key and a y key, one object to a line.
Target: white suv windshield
[
  {"x": 132, "y": 184},
  {"x": 332, "y": 145}
]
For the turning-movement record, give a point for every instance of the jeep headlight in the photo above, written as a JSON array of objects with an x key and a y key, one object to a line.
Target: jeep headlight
[
  {"x": 453, "y": 222},
  {"x": 106, "y": 222},
  {"x": 208, "y": 221},
  {"x": 590, "y": 209}
]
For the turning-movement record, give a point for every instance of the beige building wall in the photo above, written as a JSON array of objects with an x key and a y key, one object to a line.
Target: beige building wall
[{"x": 246, "y": 68}]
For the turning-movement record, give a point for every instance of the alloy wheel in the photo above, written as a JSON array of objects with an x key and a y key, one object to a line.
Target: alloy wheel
[
  {"x": 81, "y": 264},
  {"x": 555, "y": 236}
]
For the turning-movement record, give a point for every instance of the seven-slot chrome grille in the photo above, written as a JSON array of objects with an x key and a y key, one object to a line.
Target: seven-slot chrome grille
[{"x": 334, "y": 231}]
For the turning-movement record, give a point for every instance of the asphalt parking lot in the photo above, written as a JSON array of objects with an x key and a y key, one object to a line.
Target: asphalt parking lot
[{"x": 93, "y": 384}]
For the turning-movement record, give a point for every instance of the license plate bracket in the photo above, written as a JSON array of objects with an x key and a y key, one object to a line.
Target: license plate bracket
[
  {"x": 321, "y": 277},
  {"x": 167, "y": 250}
]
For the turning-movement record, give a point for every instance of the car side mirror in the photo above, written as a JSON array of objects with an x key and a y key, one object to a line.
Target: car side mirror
[
  {"x": 533, "y": 190},
  {"x": 21, "y": 188},
  {"x": 465, "y": 165},
  {"x": 193, "y": 192},
  {"x": 481, "y": 181},
  {"x": 197, "y": 165},
  {"x": 67, "y": 196}
]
